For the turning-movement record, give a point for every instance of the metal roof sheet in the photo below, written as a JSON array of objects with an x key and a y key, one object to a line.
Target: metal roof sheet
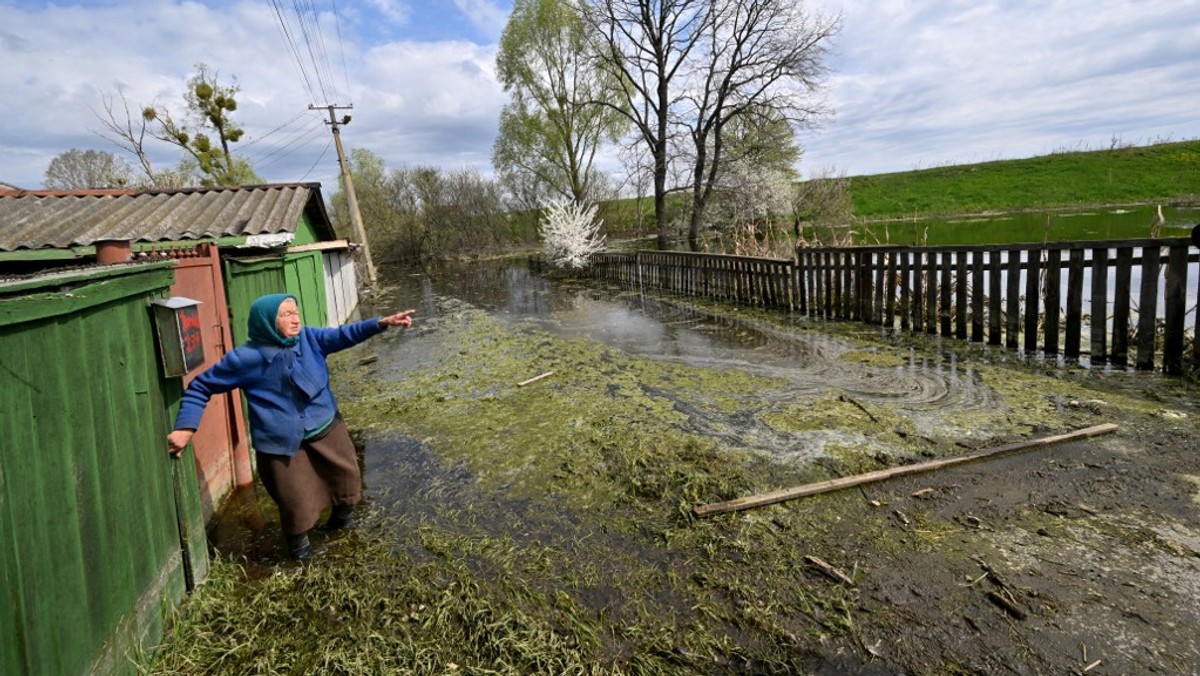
[{"x": 61, "y": 219}]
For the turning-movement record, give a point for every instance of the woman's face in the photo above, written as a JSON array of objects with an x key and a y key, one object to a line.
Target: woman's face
[{"x": 287, "y": 320}]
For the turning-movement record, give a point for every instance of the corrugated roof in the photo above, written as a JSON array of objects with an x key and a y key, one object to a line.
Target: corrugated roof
[{"x": 60, "y": 219}]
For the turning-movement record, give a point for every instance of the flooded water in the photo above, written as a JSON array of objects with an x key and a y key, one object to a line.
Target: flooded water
[
  {"x": 404, "y": 476},
  {"x": 789, "y": 348}
]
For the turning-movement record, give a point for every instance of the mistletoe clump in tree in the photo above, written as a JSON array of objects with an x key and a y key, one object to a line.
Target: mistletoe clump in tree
[{"x": 210, "y": 107}]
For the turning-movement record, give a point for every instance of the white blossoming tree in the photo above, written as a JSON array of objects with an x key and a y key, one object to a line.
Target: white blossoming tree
[{"x": 570, "y": 234}]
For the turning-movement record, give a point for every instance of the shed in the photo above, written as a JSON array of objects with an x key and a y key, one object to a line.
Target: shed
[{"x": 231, "y": 243}]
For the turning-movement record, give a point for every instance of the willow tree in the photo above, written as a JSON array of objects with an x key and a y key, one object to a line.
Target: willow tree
[{"x": 551, "y": 130}]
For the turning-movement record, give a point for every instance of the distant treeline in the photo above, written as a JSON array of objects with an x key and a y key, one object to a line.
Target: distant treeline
[{"x": 425, "y": 212}]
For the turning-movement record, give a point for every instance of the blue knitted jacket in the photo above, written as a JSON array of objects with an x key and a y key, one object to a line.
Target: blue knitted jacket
[{"x": 287, "y": 389}]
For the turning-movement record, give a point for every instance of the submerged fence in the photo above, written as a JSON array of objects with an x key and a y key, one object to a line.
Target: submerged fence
[{"x": 1130, "y": 298}]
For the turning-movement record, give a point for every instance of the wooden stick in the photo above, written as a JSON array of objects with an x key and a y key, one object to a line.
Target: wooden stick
[
  {"x": 829, "y": 571},
  {"x": 523, "y": 383},
  {"x": 879, "y": 475},
  {"x": 1010, "y": 607}
]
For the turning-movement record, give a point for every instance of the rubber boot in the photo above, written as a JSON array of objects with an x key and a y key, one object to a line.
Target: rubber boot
[
  {"x": 341, "y": 517},
  {"x": 299, "y": 546}
]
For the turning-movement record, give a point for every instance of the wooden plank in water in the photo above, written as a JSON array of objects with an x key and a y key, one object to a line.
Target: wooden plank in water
[
  {"x": 805, "y": 490},
  {"x": 1148, "y": 307},
  {"x": 960, "y": 296},
  {"x": 931, "y": 294},
  {"x": 977, "y": 288},
  {"x": 994, "y": 286},
  {"x": 1012, "y": 336},
  {"x": 1099, "y": 322},
  {"x": 1053, "y": 300},
  {"x": 1033, "y": 293},
  {"x": 947, "y": 267}
]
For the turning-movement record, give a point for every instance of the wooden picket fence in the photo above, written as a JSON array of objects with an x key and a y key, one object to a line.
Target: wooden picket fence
[{"x": 1022, "y": 296}]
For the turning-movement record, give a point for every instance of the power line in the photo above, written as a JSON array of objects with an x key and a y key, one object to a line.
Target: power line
[
  {"x": 283, "y": 151},
  {"x": 295, "y": 136},
  {"x": 285, "y": 28},
  {"x": 342, "y": 48},
  {"x": 259, "y": 138},
  {"x": 316, "y": 20},
  {"x": 314, "y": 165},
  {"x": 308, "y": 43}
]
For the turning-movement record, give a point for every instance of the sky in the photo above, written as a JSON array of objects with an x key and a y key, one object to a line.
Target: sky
[{"x": 912, "y": 84}]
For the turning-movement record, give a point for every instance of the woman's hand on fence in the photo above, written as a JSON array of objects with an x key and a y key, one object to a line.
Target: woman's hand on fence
[
  {"x": 178, "y": 440},
  {"x": 399, "y": 319}
]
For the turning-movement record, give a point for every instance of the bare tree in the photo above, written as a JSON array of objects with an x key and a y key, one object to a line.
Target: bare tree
[
  {"x": 78, "y": 169},
  {"x": 124, "y": 133},
  {"x": 644, "y": 46},
  {"x": 692, "y": 67},
  {"x": 763, "y": 61},
  {"x": 210, "y": 106}
]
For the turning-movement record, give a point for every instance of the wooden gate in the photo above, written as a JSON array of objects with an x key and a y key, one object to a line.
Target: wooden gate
[{"x": 221, "y": 444}]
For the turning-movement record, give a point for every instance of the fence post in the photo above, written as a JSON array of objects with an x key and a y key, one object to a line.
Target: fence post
[
  {"x": 1148, "y": 307},
  {"x": 1176, "y": 300}
]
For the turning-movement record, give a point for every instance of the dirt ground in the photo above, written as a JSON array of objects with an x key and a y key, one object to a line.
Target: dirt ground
[{"x": 1082, "y": 557}]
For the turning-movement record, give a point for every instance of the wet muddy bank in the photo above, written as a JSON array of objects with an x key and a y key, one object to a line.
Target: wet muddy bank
[{"x": 547, "y": 528}]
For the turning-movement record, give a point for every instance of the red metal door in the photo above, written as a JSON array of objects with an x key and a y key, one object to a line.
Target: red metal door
[{"x": 222, "y": 451}]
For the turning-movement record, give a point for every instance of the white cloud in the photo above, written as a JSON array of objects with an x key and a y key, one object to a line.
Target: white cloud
[
  {"x": 912, "y": 83},
  {"x": 486, "y": 16},
  {"x": 920, "y": 84}
]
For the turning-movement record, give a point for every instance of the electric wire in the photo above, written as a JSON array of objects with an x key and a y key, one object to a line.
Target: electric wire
[
  {"x": 314, "y": 164},
  {"x": 285, "y": 28},
  {"x": 342, "y": 48},
  {"x": 283, "y": 151},
  {"x": 309, "y": 46},
  {"x": 321, "y": 48},
  {"x": 308, "y": 29},
  {"x": 264, "y": 153},
  {"x": 285, "y": 124}
]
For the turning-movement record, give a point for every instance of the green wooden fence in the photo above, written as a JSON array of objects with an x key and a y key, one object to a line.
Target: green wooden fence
[
  {"x": 1028, "y": 297},
  {"x": 101, "y": 532}
]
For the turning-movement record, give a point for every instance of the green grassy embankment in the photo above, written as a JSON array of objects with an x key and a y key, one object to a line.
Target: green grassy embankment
[{"x": 1167, "y": 173}]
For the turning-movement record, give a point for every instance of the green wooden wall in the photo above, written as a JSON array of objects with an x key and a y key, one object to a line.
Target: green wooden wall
[{"x": 92, "y": 554}]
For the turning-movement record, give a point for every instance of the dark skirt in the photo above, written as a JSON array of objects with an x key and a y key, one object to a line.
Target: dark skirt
[{"x": 324, "y": 472}]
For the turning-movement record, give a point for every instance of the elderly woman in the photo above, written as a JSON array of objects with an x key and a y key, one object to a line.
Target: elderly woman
[{"x": 305, "y": 457}]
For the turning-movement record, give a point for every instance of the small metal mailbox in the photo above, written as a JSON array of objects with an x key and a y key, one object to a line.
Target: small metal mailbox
[{"x": 178, "y": 322}]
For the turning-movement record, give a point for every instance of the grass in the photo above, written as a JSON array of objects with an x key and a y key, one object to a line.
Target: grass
[{"x": 1163, "y": 172}]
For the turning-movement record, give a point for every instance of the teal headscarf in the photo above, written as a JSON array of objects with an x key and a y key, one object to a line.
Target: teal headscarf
[{"x": 262, "y": 321}]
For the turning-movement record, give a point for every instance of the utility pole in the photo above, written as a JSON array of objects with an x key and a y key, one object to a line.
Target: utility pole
[{"x": 351, "y": 200}]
